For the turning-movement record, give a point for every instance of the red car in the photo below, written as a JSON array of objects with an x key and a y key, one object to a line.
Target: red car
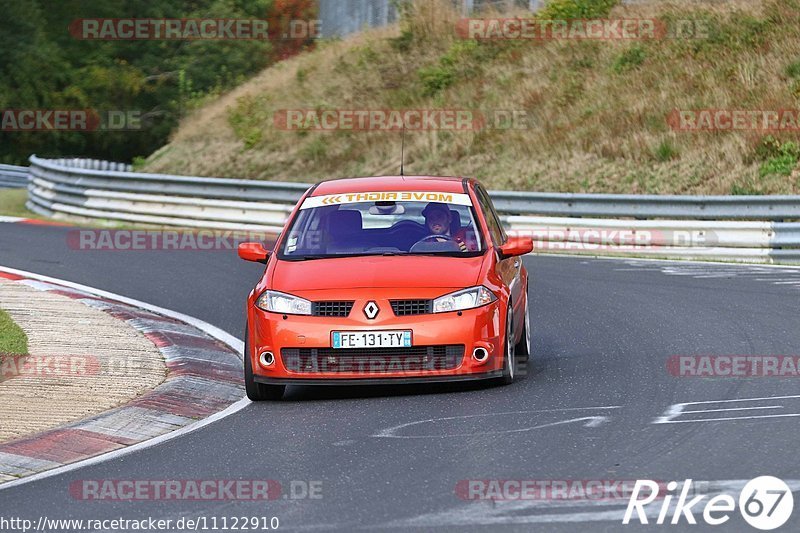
[{"x": 388, "y": 280}]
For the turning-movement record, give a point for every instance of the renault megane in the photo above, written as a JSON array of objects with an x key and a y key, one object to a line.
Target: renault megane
[{"x": 388, "y": 280}]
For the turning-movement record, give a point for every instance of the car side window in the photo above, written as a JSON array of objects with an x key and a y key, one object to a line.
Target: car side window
[{"x": 492, "y": 220}]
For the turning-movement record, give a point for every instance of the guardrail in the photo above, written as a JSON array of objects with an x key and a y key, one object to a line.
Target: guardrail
[
  {"x": 13, "y": 177},
  {"x": 650, "y": 206},
  {"x": 741, "y": 228},
  {"x": 86, "y": 189}
]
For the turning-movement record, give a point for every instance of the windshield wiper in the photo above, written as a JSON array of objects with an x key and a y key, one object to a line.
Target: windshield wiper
[
  {"x": 384, "y": 254},
  {"x": 306, "y": 257},
  {"x": 473, "y": 253},
  {"x": 334, "y": 256}
]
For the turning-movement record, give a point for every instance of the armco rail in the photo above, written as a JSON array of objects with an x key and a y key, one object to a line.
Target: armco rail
[
  {"x": 13, "y": 177},
  {"x": 650, "y": 206},
  {"x": 741, "y": 228}
]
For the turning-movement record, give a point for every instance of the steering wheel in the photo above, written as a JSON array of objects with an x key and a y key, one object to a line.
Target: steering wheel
[{"x": 433, "y": 236}]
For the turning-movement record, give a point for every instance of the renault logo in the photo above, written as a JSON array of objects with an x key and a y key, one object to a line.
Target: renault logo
[{"x": 371, "y": 310}]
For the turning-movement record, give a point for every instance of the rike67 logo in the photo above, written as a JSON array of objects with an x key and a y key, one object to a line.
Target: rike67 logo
[{"x": 765, "y": 503}]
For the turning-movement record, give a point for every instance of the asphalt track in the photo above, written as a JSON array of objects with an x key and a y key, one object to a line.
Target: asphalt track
[{"x": 603, "y": 330}]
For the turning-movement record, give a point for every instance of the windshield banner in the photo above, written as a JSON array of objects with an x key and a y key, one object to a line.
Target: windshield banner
[{"x": 387, "y": 196}]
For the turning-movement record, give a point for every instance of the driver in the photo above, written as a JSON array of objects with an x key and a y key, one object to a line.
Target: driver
[{"x": 438, "y": 219}]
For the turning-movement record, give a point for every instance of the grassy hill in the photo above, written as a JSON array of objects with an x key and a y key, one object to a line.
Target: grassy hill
[{"x": 598, "y": 109}]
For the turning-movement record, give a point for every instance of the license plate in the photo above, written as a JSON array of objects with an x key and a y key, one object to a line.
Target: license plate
[{"x": 371, "y": 339}]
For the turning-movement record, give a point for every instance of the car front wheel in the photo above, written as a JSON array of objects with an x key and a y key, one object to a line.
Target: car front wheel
[
  {"x": 509, "y": 351},
  {"x": 524, "y": 345}
]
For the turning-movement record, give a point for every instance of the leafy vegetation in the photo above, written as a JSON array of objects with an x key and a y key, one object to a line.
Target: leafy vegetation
[
  {"x": 629, "y": 59},
  {"x": 576, "y": 9},
  {"x": 43, "y": 66},
  {"x": 779, "y": 157}
]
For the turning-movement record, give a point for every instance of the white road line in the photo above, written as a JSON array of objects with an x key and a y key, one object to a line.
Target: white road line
[
  {"x": 646, "y": 262},
  {"x": 677, "y": 409},
  {"x": 214, "y": 331},
  {"x": 729, "y": 418},
  {"x": 732, "y": 409},
  {"x": 744, "y": 400}
]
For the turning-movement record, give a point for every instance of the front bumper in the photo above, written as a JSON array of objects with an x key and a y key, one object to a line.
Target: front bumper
[
  {"x": 472, "y": 328},
  {"x": 381, "y": 381}
]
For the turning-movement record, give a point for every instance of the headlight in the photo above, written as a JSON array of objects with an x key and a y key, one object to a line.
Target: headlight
[
  {"x": 465, "y": 299},
  {"x": 279, "y": 302}
]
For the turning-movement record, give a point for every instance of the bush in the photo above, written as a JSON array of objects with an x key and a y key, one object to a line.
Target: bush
[
  {"x": 404, "y": 41},
  {"x": 248, "y": 119},
  {"x": 665, "y": 152},
  {"x": 781, "y": 165},
  {"x": 138, "y": 163},
  {"x": 793, "y": 70},
  {"x": 779, "y": 158},
  {"x": 461, "y": 60},
  {"x": 629, "y": 59},
  {"x": 772, "y": 147},
  {"x": 576, "y": 9}
]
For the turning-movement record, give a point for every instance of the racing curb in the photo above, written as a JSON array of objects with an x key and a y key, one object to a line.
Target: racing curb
[
  {"x": 204, "y": 377},
  {"x": 30, "y": 221}
]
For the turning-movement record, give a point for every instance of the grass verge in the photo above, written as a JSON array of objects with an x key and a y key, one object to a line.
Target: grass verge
[
  {"x": 12, "y": 203},
  {"x": 13, "y": 340}
]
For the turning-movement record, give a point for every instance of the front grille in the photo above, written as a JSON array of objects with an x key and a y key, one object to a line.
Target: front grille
[
  {"x": 332, "y": 308},
  {"x": 372, "y": 360},
  {"x": 412, "y": 307}
]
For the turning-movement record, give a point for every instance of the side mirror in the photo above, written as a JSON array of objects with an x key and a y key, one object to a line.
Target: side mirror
[
  {"x": 253, "y": 251},
  {"x": 516, "y": 246}
]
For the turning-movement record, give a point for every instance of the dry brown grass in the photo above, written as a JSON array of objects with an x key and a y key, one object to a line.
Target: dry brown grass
[{"x": 598, "y": 121}]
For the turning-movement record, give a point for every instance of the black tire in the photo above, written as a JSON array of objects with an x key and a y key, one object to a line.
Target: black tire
[
  {"x": 509, "y": 352},
  {"x": 523, "y": 347},
  {"x": 257, "y": 392}
]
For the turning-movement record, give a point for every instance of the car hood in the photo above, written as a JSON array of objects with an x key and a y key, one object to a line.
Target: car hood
[{"x": 377, "y": 271}]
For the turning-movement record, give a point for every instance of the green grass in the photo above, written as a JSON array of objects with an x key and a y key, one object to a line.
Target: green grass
[
  {"x": 12, "y": 339},
  {"x": 12, "y": 203}
]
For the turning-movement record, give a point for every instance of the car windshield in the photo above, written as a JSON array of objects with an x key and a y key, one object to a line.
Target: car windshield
[{"x": 383, "y": 223}]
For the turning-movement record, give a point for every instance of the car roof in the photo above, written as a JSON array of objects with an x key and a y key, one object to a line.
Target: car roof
[{"x": 389, "y": 183}]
